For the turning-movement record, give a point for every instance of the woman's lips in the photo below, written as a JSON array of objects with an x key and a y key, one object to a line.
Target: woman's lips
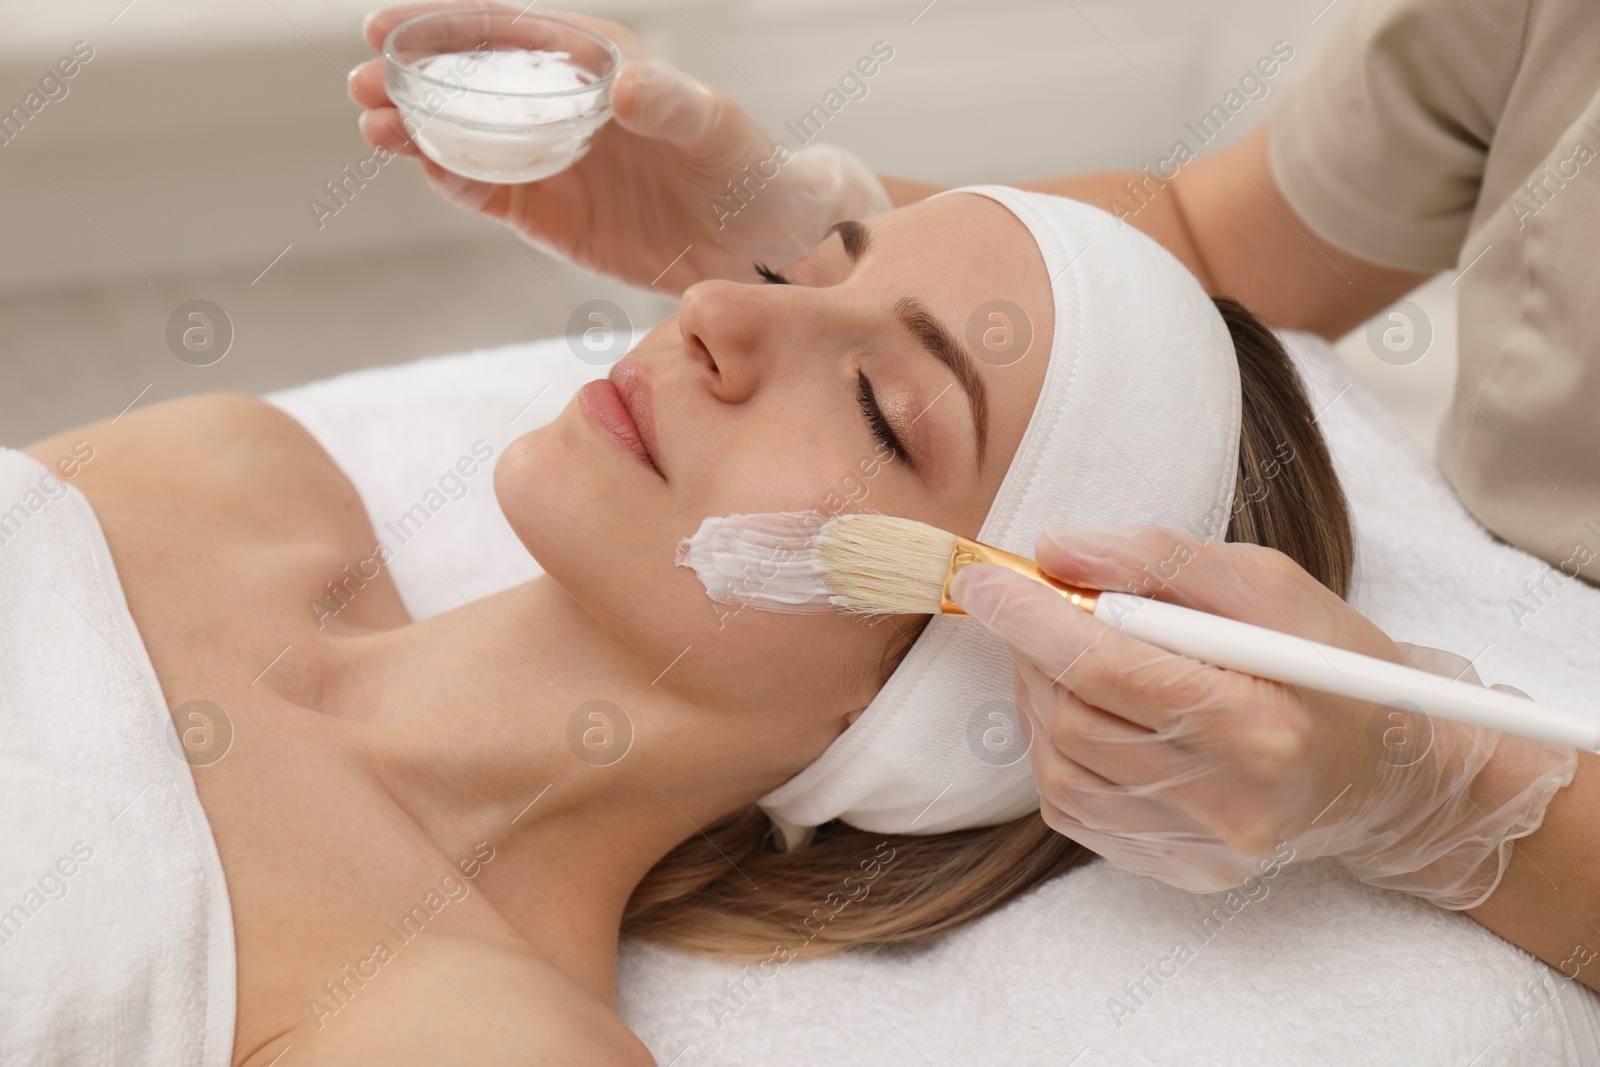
[{"x": 621, "y": 406}]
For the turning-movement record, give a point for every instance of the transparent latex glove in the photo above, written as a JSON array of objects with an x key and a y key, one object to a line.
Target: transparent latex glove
[
  {"x": 654, "y": 185},
  {"x": 1190, "y": 774}
]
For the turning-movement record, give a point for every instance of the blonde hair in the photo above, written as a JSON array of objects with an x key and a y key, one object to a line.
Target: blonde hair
[{"x": 730, "y": 892}]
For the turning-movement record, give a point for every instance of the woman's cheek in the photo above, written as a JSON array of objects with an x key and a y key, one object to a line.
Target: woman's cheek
[{"x": 807, "y": 470}]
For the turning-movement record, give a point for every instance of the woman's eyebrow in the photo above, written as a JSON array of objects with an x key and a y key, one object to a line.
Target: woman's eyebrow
[
  {"x": 857, "y": 239},
  {"x": 934, "y": 338},
  {"x": 929, "y": 332}
]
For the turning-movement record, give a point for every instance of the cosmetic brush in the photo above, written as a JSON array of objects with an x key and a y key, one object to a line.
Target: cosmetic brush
[{"x": 881, "y": 564}]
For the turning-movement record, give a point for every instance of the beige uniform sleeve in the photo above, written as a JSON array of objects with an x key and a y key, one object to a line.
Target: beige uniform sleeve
[{"x": 1381, "y": 142}]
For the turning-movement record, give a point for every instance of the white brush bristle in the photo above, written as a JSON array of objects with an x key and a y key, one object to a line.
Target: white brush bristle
[{"x": 879, "y": 564}]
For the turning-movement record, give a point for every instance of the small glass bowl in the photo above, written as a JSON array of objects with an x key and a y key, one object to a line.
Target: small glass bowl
[{"x": 497, "y": 135}]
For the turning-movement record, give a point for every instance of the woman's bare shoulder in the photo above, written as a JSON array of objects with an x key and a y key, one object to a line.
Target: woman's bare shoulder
[
  {"x": 193, "y": 419},
  {"x": 452, "y": 1000},
  {"x": 204, "y": 435},
  {"x": 204, "y": 461}
]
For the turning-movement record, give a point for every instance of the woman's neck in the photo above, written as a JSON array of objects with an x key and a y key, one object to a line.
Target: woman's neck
[{"x": 482, "y": 722}]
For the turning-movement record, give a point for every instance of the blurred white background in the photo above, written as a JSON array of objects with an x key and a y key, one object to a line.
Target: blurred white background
[{"x": 180, "y": 162}]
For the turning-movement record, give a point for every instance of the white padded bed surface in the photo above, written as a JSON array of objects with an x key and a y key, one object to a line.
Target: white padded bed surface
[{"x": 1098, "y": 967}]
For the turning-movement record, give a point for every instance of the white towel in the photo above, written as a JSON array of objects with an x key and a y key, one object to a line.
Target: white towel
[
  {"x": 116, "y": 940},
  {"x": 1321, "y": 970}
]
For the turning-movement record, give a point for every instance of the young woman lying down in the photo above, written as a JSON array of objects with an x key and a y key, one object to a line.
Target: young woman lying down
[{"x": 381, "y": 765}]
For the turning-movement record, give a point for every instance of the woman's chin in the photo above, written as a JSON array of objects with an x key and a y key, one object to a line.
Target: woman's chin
[
  {"x": 570, "y": 517},
  {"x": 533, "y": 484}
]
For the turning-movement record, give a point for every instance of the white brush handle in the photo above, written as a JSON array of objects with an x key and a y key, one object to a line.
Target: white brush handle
[{"x": 1284, "y": 657}]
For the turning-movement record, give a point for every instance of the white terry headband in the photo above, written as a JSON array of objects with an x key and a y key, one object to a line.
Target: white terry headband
[{"x": 1137, "y": 423}]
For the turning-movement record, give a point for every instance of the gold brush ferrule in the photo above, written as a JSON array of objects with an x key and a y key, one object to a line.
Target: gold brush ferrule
[{"x": 968, "y": 551}]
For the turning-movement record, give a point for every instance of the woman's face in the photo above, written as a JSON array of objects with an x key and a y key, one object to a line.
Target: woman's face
[{"x": 852, "y": 387}]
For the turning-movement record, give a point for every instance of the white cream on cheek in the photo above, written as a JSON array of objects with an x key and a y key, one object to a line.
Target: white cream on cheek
[{"x": 766, "y": 561}]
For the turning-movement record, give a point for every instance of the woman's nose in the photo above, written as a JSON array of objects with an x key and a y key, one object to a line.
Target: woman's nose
[{"x": 734, "y": 330}]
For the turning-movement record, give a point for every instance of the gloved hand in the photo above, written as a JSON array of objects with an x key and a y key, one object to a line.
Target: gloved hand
[
  {"x": 1188, "y": 773},
  {"x": 656, "y": 179}
]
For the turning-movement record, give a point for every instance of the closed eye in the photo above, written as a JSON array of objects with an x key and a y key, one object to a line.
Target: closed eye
[
  {"x": 864, "y": 394},
  {"x": 875, "y": 418}
]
